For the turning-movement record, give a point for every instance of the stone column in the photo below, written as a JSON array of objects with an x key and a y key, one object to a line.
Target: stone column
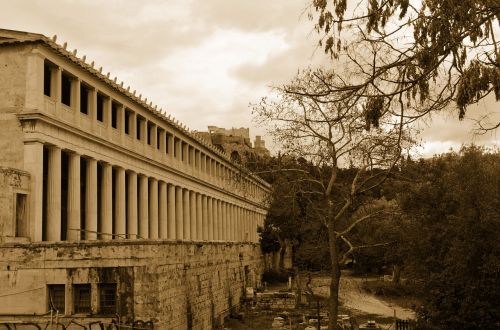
[
  {"x": 179, "y": 214},
  {"x": 210, "y": 216},
  {"x": 245, "y": 225},
  {"x": 235, "y": 224},
  {"x": 132, "y": 220},
  {"x": 170, "y": 146},
  {"x": 187, "y": 214},
  {"x": 253, "y": 229},
  {"x": 121, "y": 118},
  {"x": 143, "y": 207},
  {"x": 106, "y": 211},
  {"x": 216, "y": 217},
  {"x": 33, "y": 164},
  {"x": 203, "y": 165},
  {"x": 178, "y": 149},
  {"x": 163, "y": 220},
  {"x": 204, "y": 217},
  {"x": 239, "y": 228},
  {"x": 223, "y": 232},
  {"x": 171, "y": 214},
  {"x": 198, "y": 160},
  {"x": 74, "y": 207},
  {"x": 153, "y": 208},
  {"x": 91, "y": 200},
  {"x": 152, "y": 135},
  {"x": 53, "y": 230},
  {"x": 199, "y": 218},
  {"x": 163, "y": 144},
  {"x": 58, "y": 82},
  {"x": 144, "y": 133},
  {"x": 185, "y": 152},
  {"x": 120, "y": 204},
  {"x": 193, "y": 215},
  {"x": 231, "y": 222}
]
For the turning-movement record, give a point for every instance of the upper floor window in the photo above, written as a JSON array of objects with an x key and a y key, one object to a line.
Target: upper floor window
[
  {"x": 100, "y": 107},
  {"x": 128, "y": 121},
  {"x": 114, "y": 115},
  {"x": 140, "y": 121},
  {"x": 47, "y": 79},
  {"x": 150, "y": 133},
  {"x": 66, "y": 86},
  {"x": 84, "y": 98}
]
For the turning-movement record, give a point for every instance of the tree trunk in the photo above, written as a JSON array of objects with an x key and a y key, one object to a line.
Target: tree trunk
[
  {"x": 282, "y": 253},
  {"x": 276, "y": 260},
  {"x": 335, "y": 277},
  {"x": 396, "y": 274}
]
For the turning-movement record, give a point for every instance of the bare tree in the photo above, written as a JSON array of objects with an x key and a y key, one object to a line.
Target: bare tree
[{"x": 332, "y": 133}]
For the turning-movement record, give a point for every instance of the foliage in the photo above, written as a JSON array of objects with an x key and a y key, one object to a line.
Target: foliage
[
  {"x": 450, "y": 239},
  {"x": 275, "y": 276},
  {"x": 427, "y": 53}
]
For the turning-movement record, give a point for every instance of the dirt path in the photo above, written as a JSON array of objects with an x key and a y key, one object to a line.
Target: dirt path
[{"x": 353, "y": 296}]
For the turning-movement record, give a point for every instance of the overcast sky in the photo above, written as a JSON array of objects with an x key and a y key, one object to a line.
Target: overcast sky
[{"x": 203, "y": 61}]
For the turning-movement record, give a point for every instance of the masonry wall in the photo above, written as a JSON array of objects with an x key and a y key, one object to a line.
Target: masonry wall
[
  {"x": 177, "y": 285},
  {"x": 13, "y": 84},
  {"x": 12, "y": 182}
]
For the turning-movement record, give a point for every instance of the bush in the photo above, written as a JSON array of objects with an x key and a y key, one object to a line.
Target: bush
[{"x": 273, "y": 276}]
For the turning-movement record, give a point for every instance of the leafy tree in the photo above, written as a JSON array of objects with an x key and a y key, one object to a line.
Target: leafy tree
[
  {"x": 427, "y": 53},
  {"x": 330, "y": 134},
  {"x": 450, "y": 240}
]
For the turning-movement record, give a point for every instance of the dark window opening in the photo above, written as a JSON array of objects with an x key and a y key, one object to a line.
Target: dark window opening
[
  {"x": 150, "y": 133},
  {"x": 114, "y": 115},
  {"x": 100, "y": 107},
  {"x": 66, "y": 89},
  {"x": 158, "y": 138},
  {"x": 128, "y": 116},
  {"x": 107, "y": 295},
  {"x": 56, "y": 298},
  {"x": 21, "y": 219},
  {"x": 167, "y": 139},
  {"x": 182, "y": 151},
  {"x": 84, "y": 99},
  {"x": 47, "y": 79},
  {"x": 138, "y": 127},
  {"x": 81, "y": 298},
  {"x": 176, "y": 142}
]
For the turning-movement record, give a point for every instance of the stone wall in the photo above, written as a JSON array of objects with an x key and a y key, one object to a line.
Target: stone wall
[
  {"x": 13, "y": 214},
  {"x": 276, "y": 300},
  {"x": 177, "y": 285}
]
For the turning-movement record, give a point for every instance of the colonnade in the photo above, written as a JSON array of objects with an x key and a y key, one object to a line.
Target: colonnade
[{"x": 91, "y": 199}]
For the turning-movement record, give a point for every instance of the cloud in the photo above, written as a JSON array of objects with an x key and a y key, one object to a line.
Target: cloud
[{"x": 202, "y": 61}]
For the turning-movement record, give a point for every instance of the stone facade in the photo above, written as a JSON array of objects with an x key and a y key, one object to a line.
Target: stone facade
[
  {"x": 178, "y": 285},
  {"x": 236, "y": 142},
  {"x": 109, "y": 204}
]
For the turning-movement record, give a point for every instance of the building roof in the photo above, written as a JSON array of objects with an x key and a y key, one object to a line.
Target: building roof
[{"x": 10, "y": 37}]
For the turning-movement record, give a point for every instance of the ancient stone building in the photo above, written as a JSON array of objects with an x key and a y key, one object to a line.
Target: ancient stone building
[
  {"x": 236, "y": 142},
  {"x": 109, "y": 210}
]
